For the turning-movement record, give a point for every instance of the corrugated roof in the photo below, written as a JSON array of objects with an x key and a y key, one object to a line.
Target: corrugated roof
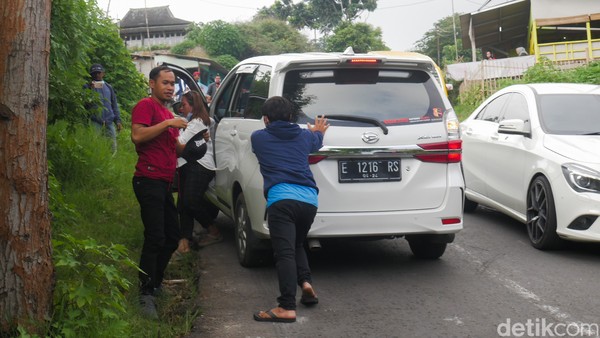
[
  {"x": 498, "y": 23},
  {"x": 157, "y": 16}
]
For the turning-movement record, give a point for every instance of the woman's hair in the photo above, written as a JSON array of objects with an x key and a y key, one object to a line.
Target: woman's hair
[{"x": 198, "y": 107}]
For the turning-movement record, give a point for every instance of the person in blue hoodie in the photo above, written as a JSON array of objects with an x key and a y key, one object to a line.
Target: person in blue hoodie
[
  {"x": 282, "y": 150},
  {"x": 111, "y": 116}
]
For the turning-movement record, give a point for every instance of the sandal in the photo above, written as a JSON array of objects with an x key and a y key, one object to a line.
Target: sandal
[
  {"x": 209, "y": 240},
  {"x": 271, "y": 317},
  {"x": 308, "y": 296}
]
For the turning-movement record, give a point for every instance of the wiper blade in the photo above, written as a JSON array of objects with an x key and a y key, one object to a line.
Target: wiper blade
[
  {"x": 592, "y": 133},
  {"x": 360, "y": 119}
]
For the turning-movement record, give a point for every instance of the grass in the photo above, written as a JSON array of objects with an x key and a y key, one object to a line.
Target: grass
[{"x": 92, "y": 197}]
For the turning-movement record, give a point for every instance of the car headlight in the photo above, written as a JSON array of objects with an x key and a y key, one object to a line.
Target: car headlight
[{"x": 580, "y": 178}]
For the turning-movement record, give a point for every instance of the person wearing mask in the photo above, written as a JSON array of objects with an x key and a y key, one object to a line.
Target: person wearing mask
[
  {"x": 154, "y": 132},
  {"x": 111, "y": 116},
  {"x": 195, "y": 174},
  {"x": 282, "y": 150}
]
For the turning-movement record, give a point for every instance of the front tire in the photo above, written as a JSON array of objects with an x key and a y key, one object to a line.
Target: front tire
[
  {"x": 245, "y": 241},
  {"x": 541, "y": 215}
]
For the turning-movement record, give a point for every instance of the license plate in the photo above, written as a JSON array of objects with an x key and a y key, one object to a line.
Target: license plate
[{"x": 352, "y": 171}]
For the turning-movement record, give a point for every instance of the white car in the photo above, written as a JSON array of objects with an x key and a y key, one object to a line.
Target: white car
[
  {"x": 533, "y": 152},
  {"x": 390, "y": 165}
]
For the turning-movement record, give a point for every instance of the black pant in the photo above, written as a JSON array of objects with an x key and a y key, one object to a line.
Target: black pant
[
  {"x": 161, "y": 230},
  {"x": 193, "y": 182},
  {"x": 289, "y": 223}
]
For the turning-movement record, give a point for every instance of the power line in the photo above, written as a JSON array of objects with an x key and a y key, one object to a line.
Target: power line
[
  {"x": 224, "y": 5},
  {"x": 407, "y": 5}
]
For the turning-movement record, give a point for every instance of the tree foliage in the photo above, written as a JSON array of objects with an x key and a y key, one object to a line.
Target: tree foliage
[
  {"x": 271, "y": 36},
  {"x": 97, "y": 41},
  {"x": 438, "y": 43},
  {"x": 361, "y": 36},
  {"x": 219, "y": 37},
  {"x": 227, "y": 61},
  {"x": 322, "y": 15}
]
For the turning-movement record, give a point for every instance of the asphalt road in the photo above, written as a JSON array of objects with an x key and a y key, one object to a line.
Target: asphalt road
[{"x": 490, "y": 283}]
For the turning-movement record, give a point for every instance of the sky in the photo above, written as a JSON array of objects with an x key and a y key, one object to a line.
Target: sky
[{"x": 403, "y": 22}]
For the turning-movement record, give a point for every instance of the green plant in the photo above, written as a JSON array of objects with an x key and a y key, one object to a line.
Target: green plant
[
  {"x": 89, "y": 295},
  {"x": 219, "y": 37},
  {"x": 82, "y": 35},
  {"x": 361, "y": 36},
  {"x": 183, "y": 47},
  {"x": 96, "y": 187},
  {"x": 227, "y": 61}
]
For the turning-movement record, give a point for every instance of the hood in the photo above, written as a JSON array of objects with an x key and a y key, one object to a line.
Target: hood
[
  {"x": 284, "y": 130},
  {"x": 577, "y": 148}
]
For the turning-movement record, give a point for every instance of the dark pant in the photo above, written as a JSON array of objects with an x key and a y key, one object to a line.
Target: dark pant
[
  {"x": 289, "y": 223},
  {"x": 193, "y": 182},
  {"x": 161, "y": 230}
]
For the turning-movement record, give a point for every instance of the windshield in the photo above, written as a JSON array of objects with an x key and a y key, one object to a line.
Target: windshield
[
  {"x": 391, "y": 96},
  {"x": 570, "y": 114}
]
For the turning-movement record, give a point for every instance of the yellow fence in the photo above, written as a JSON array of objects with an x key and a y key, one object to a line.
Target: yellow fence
[{"x": 570, "y": 50}]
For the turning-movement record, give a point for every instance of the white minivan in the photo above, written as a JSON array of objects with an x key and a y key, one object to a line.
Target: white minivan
[{"x": 390, "y": 164}]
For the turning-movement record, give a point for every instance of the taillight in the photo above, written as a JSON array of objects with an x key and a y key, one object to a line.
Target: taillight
[
  {"x": 442, "y": 152},
  {"x": 447, "y": 221},
  {"x": 314, "y": 159}
]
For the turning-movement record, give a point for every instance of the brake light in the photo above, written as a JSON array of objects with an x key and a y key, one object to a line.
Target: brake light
[
  {"x": 314, "y": 159},
  {"x": 446, "y": 221},
  {"x": 370, "y": 61},
  {"x": 442, "y": 152}
]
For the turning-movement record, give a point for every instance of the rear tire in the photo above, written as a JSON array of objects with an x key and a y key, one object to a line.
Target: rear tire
[
  {"x": 541, "y": 216},
  {"x": 245, "y": 241},
  {"x": 426, "y": 248}
]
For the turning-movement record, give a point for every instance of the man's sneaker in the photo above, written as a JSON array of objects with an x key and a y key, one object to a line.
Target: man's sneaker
[{"x": 148, "y": 306}]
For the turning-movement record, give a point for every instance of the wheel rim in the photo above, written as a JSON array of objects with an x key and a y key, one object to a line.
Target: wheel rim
[
  {"x": 242, "y": 236},
  {"x": 537, "y": 212}
]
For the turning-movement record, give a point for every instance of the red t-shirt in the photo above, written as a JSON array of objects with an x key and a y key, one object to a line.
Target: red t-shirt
[{"x": 157, "y": 158}]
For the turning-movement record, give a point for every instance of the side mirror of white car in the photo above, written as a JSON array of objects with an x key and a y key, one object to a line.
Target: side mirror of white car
[{"x": 514, "y": 126}]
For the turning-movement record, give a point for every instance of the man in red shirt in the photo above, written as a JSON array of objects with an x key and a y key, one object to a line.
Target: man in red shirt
[{"x": 154, "y": 131}]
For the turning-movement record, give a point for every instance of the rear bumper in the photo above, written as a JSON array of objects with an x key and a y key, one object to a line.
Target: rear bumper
[
  {"x": 380, "y": 224},
  {"x": 398, "y": 223}
]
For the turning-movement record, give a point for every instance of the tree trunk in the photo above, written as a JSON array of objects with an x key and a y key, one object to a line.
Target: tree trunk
[{"x": 26, "y": 270}]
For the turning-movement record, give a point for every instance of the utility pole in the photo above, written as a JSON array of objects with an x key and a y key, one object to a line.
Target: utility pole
[
  {"x": 147, "y": 28},
  {"x": 454, "y": 28}
]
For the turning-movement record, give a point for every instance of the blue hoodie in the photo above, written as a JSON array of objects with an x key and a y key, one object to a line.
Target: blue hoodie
[{"x": 282, "y": 150}]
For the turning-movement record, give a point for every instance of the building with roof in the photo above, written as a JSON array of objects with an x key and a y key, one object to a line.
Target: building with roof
[
  {"x": 559, "y": 30},
  {"x": 145, "y": 27},
  {"x": 521, "y": 33}
]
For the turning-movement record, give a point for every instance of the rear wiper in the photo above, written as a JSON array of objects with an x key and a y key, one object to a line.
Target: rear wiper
[
  {"x": 365, "y": 119},
  {"x": 593, "y": 133}
]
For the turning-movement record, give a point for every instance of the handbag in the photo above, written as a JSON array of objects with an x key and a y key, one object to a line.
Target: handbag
[{"x": 195, "y": 148}]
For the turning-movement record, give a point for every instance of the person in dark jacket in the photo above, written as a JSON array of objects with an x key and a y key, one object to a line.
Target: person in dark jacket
[
  {"x": 111, "y": 116},
  {"x": 282, "y": 150}
]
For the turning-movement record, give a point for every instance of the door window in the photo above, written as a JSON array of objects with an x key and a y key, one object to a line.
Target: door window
[
  {"x": 245, "y": 94},
  {"x": 493, "y": 110}
]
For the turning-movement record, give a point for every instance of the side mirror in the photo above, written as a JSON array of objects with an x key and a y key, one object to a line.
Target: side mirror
[{"x": 515, "y": 127}]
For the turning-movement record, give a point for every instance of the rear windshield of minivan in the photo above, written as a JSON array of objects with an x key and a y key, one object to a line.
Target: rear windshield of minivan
[{"x": 392, "y": 96}]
